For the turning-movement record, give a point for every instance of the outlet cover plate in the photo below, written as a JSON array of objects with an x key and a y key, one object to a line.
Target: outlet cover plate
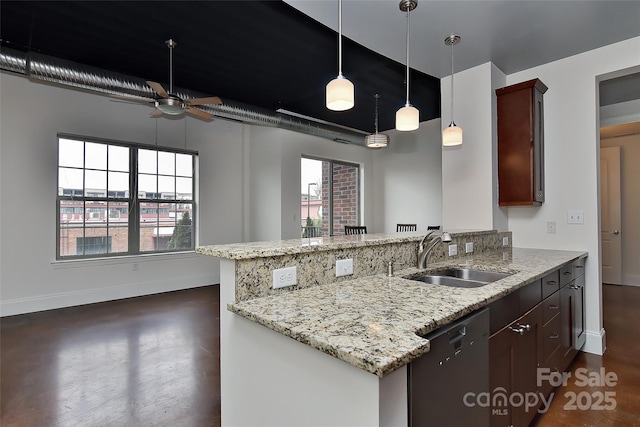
[
  {"x": 344, "y": 267},
  {"x": 283, "y": 277},
  {"x": 453, "y": 250},
  {"x": 575, "y": 216},
  {"x": 551, "y": 227},
  {"x": 505, "y": 241},
  {"x": 468, "y": 247}
]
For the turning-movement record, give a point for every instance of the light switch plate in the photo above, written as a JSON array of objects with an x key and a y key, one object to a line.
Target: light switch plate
[
  {"x": 283, "y": 277},
  {"x": 453, "y": 250},
  {"x": 505, "y": 241},
  {"x": 468, "y": 247},
  {"x": 344, "y": 267}
]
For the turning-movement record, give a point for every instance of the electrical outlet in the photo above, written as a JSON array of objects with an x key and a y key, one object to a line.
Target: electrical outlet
[
  {"x": 505, "y": 241},
  {"x": 551, "y": 227},
  {"x": 575, "y": 216},
  {"x": 344, "y": 267},
  {"x": 283, "y": 277},
  {"x": 135, "y": 267},
  {"x": 453, "y": 250},
  {"x": 468, "y": 247}
]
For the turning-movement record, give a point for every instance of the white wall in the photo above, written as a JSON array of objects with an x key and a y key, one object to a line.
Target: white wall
[
  {"x": 469, "y": 195},
  {"x": 32, "y": 115},
  {"x": 407, "y": 181},
  {"x": 571, "y": 158},
  {"x": 249, "y": 190}
]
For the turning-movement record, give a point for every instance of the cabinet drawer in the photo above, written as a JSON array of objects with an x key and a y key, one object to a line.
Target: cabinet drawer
[
  {"x": 550, "y": 283},
  {"x": 578, "y": 267},
  {"x": 550, "y": 337},
  {"x": 529, "y": 296},
  {"x": 566, "y": 274},
  {"x": 550, "y": 307}
]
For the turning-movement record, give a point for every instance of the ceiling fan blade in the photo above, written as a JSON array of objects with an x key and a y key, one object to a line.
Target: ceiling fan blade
[
  {"x": 158, "y": 88},
  {"x": 156, "y": 113},
  {"x": 203, "y": 101},
  {"x": 198, "y": 113}
]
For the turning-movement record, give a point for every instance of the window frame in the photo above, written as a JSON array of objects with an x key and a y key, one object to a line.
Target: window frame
[
  {"x": 360, "y": 201},
  {"x": 133, "y": 200}
]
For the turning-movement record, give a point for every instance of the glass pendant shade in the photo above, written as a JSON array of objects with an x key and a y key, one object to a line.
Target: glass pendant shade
[
  {"x": 452, "y": 135},
  {"x": 407, "y": 118},
  {"x": 340, "y": 94}
]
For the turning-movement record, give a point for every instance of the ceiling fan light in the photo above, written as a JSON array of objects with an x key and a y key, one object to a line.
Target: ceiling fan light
[
  {"x": 340, "y": 94},
  {"x": 452, "y": 135},
  {"x": 407, "y": 118},
  {"x": 170, "y": 106}
]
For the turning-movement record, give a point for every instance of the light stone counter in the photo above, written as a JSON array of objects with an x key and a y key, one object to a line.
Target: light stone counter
[{"x": 375, "y": 322}]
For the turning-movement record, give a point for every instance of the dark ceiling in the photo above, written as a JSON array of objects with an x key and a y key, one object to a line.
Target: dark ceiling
[{"x": 262, "y": 53}]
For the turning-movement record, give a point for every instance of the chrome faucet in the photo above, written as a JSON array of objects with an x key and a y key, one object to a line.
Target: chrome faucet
[{"x": 424, "y": 253}]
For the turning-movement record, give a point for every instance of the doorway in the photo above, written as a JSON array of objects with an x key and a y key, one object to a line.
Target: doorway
[{"x": 620, "y": 178}]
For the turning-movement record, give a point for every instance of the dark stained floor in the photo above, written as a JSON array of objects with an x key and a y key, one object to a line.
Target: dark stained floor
[
  {"x": 147, "y": 361},
  {"x": 155, "y": 361},
  {"x": 621, "y": 311}
]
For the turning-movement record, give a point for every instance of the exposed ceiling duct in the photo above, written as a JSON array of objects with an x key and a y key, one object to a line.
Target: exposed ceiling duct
[{"x": 79, "y": 76}]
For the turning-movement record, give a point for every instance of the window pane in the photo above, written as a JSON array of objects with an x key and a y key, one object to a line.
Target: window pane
[
  {"x": 95, "y": 242},
  {"x": 118, "y": 158},
  {"x": 118, "y": 184},
  {"x": 167, "y": 187},
  {"x": 166, "y": 163},
  {"x": 95, "y": 184},
  {"x": 118, "y": 226},
  {"x": 184, "y": 165},
  {"x": 70, "y": 180},
  {"x": 71, "y": 225},
  {"x": 181, "y": 237},
  {"x": 95, "y": 156},
  {"x": 70, "y": 153},
  {"x": 148, "y": 226},
  {"x": 95, "y": 212},
  {"x": 147, "y": 161},
  {"x": 184, "y": 188},
  {"x": 345, "y": 196},
  {"x": 147, "y": 186}
]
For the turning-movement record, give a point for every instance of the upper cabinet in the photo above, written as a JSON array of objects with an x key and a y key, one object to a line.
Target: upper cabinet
[{"x": 521, "y": 144}]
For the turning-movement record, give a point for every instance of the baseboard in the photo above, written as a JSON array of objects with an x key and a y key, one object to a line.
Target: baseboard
[
  {"x": 596, "y": 343},
  {"x": 90, "y": 296}
]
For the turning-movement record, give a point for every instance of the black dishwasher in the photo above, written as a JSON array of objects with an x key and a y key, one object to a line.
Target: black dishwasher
[{"x": 449, "y": 385}]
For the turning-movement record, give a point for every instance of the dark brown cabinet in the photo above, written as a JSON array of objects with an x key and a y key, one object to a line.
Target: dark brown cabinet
[
  {"x": 514, "y": 353},
  {"x": 521, "y": 144}
]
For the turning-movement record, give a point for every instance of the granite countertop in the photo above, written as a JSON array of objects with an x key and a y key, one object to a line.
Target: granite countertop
[
  {"x": 375, "y": 322},
  {"x": 315, "y": 244}
]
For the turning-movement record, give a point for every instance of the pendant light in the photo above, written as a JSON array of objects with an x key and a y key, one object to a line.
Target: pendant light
[
  {"x": 376, "y": 140},
  {"x": 339, "y": 93},
  {"x": 407, "y": 117},
  {"x": 452, "y": 135}
]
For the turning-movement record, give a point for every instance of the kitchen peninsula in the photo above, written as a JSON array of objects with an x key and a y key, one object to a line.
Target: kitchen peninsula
[{"x": 334, "y": 350}]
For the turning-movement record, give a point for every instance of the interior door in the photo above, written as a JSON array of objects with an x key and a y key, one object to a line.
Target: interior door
[{"x": 610, "y": 213}]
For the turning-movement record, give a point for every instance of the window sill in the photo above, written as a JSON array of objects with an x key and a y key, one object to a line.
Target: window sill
[{"x": 121, "y": 260}]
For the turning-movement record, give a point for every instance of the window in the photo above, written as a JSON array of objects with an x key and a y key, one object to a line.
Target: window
[
  {"x": 330, "y": 196},
  {"x": 123, "y": 199}
]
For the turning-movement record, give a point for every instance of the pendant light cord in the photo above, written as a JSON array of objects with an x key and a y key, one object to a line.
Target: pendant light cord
[
  {"x": 376, "y": 96},
  {"x": 452, "y": 82},
  {"x": 408, "y": 23},
  {"x": 339, "y": 38}
]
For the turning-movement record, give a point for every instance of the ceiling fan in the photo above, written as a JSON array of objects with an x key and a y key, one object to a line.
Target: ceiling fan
[{"x": 171, "y": 104}]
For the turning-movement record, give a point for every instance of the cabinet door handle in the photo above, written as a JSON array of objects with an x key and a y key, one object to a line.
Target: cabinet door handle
[
  {"x": 567, "y": 273},
  {"x": 574, "y": 287},
  {"x": 520, "y": 329},
  {"x": 552, "y": 282},
  {"x": 554, "y": 336},
  {"x": 579, "y": 266},
  {"x": 553, "y": 307}
]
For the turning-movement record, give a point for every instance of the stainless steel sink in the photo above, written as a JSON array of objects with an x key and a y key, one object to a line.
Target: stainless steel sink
[{"x": 459, "y": 277}]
